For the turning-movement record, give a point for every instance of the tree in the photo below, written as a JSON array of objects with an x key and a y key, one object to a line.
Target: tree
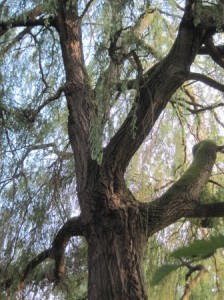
[{"x": 124, "y": 65}]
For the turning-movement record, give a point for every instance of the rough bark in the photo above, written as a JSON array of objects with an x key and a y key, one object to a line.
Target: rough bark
[
  {"x": 155, "y": 89},
  {"x": 116, "y": 225},
  {"x": 79, "y": 97},
  {"x": 182, "y": 198},
  {"x": 115, "y": 256}
]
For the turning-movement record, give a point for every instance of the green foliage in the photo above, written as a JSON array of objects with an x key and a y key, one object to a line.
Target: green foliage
[
  {"x": 162, "y": 272},
  {"x": 200, "y": 249},
  {"x": 37, "y": 178},
  {"x": 209, "y": 12}
]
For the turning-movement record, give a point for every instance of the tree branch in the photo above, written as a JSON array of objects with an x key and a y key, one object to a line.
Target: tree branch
[
  {"x": 31, "y": 115},
  {"x": 73, "y": 227},
  {"x": 190, "y": 285},
  {"x": 153, "y": 93},
  {"x": 213, "y": 51},
  {"x": 199, "y": 110},
  {"x": 201, "y": 210},
  {"x": 33, "y": 264},
  {"x": 182, "y": 199},
  {"x": 205, "y": 51},
  {"x": 217, "y": 118},
  {"x": 206, "y": 80},
  {"x": 17, "y": 38},
  {"x": 86, "y": 8},
  {"x": 33, "y": 17}
]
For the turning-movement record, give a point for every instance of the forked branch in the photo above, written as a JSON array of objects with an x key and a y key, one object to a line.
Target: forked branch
[{"x": 154, "y": 91}]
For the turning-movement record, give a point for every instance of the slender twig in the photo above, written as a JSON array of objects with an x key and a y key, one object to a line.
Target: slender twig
[
  {"x": 216, "y": 183},
  {"x": 31, "y": 115},
  {"x": 190, "y": 285},
  {"x": 17, "y": 38},
  {"x": 205, "y": 79},
  {"x": 202, "y": 109}
]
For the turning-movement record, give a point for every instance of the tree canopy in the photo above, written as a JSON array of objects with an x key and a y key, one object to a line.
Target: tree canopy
[{"x": 101, "y": 103}]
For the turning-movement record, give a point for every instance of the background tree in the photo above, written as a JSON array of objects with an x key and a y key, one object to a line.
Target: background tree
[{"x": 127, "y": 75}]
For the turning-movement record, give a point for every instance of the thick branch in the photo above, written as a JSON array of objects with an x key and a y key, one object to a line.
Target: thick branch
[
  {"x": 34, "y": 17},
  {"x": 182, "y": 198},
  {"x": 33, "y": 264},
  {"x": 205, "y": 51},
  {"x": 154, "y": 91},
  {"x": 73, "y": 227},
  {"x": 5, "y": 26},
  {"x": 79, "y": 96},
  {"x": 213, "y": 51},
  {"x": 201, "y": 210}
]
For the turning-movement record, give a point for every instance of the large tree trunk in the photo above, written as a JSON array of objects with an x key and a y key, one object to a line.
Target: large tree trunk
[
  {"x": 115, "y": 225},
  {"x": 118, "y": 226},
  {"x": 115, "y": 254}
]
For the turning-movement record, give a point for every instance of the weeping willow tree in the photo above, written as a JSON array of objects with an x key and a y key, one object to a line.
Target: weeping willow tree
[{"x": 84, "y": 85}]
